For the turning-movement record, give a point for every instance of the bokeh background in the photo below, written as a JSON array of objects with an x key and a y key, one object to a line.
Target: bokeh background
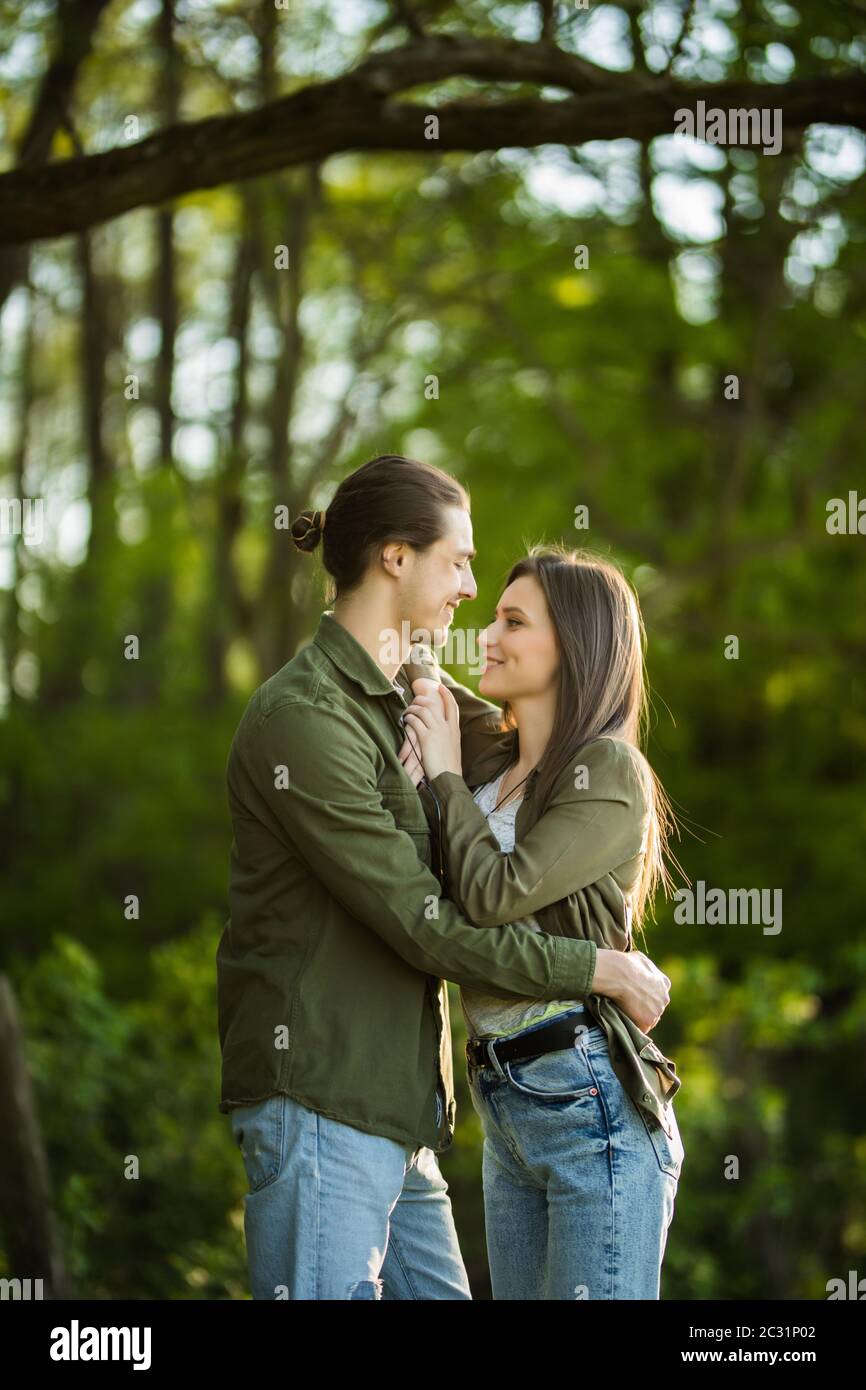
[{"x": 173, "y": 383}]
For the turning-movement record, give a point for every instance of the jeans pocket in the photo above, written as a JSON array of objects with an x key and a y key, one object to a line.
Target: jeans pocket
[
  {"x": 668, "y": 1149},
  {"x": 259, "y": 1132},
  {"x": 557, "y": 1076}
]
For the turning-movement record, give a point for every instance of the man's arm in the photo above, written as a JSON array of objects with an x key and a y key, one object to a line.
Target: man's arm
[{"x": 332, "y": 814}]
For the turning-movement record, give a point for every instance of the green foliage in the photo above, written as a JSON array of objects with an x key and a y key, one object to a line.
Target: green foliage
[{"x": 148, "y": 1189}]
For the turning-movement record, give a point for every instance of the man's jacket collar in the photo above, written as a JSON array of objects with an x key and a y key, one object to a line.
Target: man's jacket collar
[
  {"x": 356, "y": 663},
  {"x": 347, "y": 653}
]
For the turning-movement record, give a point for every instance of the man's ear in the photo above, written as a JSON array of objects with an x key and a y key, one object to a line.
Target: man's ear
[{"x": 394, "y": 558}]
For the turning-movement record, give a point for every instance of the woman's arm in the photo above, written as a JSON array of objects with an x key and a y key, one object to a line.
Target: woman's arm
[
  {"x": 563, "y": 870},
  {"x": 584, "y": 834},
  {"x": 480, "y": 720},
  {"x": 601, "y": 912}
]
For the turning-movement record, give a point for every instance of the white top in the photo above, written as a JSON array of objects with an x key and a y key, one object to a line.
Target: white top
[{"x": 488, "y": 1016}]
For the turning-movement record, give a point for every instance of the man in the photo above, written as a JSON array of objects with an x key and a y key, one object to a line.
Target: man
[{"x": 333, "y": 1013}]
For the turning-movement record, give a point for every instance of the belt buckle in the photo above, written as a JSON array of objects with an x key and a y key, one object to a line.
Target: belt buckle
[
  {"x": 473, "y": 1052},
  {"x": 480, "y": 1054}
]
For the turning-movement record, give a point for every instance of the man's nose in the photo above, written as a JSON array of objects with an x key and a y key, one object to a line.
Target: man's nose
[{"x": 468, "y": 589}]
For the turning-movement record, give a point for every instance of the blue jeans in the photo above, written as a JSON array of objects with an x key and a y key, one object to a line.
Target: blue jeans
[
  {"x": 334, "y": 1213},
  {"x": 579, "y": 1183}
]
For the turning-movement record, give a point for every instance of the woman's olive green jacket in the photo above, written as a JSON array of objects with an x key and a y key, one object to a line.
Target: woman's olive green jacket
[{"x": 575, "y": 867}]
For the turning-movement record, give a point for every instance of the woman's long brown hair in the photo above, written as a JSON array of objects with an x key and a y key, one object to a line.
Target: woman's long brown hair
[{"x": 602, "y": 687}]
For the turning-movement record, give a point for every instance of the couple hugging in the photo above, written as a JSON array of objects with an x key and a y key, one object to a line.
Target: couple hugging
[{"x": 391, "y": 830}]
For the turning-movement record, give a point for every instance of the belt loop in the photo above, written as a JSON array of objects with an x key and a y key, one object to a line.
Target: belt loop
[{"x": 494, "y": 1060}]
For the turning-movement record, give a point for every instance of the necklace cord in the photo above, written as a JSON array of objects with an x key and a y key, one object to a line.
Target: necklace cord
[
  {"x": 509, "y": 794},
  {"x": 425, "y": 781}
]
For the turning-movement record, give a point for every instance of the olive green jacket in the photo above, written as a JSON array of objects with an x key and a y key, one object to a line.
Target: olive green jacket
[
  {"x": 331, "y": 966},
  {"x": 575, "y": 868}
]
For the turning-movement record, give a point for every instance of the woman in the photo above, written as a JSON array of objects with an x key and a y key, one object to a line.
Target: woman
[{"x": 566, "y": 832}]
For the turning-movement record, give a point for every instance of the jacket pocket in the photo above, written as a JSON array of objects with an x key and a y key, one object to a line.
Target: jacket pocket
[
  {"x": 665, "y": 1069},
  {"x": 421, "y": 841},
  {"x": 259, "y": 1132},
  {"x": 668, "y": 1149},
  {"x": 405, "y": 805}
]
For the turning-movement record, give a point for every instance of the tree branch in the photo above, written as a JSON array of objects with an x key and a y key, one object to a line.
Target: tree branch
[
  {"x": 355, "y": 112},
  {"x": 76, "y": 25}
]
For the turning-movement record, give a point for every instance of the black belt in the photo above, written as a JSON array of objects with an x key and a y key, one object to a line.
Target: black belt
[{"x": 557, "y": 1034}]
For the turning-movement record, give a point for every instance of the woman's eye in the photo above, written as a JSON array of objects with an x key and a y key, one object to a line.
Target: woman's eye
[{"x": 515, "y": 622}]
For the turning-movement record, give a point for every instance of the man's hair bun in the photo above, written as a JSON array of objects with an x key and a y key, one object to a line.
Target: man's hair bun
[{"x": 307, "y": 529}]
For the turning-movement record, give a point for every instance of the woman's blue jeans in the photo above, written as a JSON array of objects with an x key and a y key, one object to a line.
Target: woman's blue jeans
[
  {"x": 335, "y": 1213},
  {"x": 579, "y": 1183}
]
